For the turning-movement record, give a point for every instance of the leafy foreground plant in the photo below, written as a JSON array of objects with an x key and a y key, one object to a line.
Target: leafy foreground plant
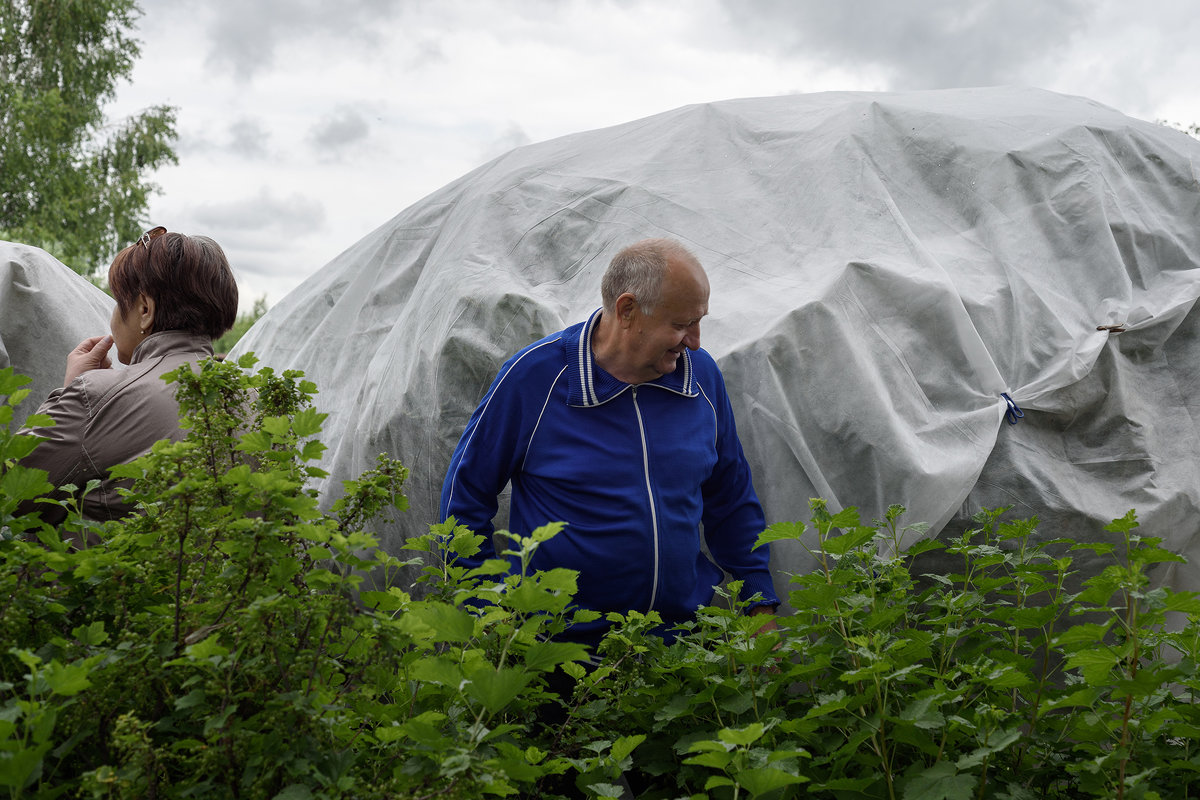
[
  {"x": 227, "y": 642},
  {"x": 994, "y": 681},
  {"x": 221, "y": 643}
]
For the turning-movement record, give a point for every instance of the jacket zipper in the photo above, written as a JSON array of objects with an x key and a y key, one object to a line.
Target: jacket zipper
[{"x": 649, "y": 496}]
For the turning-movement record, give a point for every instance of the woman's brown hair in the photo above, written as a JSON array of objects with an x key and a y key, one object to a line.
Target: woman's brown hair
[{"x": 187, "y": 277}]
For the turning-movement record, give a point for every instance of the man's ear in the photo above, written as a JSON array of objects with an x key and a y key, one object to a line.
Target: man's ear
[{"x": 625, "y": 306}]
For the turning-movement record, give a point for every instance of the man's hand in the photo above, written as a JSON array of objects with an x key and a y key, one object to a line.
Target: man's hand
[
  {"x": 88, "y": 355},
  {"x": 769, "y": 625}
]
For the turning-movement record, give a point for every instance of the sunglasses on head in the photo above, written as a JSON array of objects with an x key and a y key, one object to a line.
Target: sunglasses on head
[{"x": 146, "y": 238}]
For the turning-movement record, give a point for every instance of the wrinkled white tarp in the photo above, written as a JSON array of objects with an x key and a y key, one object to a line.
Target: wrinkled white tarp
[
  {"x": 883, "y": 268},
  {"x": 45, "y": 310}
]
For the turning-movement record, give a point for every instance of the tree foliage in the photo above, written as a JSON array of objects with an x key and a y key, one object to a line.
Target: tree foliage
[
  {"x": 244, "y": 322},
  {"x": 1192, "y": 130},
  {"x": 69, "y": 182}
]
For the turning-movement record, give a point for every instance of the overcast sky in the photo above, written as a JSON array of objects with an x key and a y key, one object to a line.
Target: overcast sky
[{"x": 305, "y": 124}]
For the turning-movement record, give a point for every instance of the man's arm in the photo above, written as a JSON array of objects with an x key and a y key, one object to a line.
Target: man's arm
[
  {"x": 733, "y": 516},
  {"x": 484, "y": 461}
]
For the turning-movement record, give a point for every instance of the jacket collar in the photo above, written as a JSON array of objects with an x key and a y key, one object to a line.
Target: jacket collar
[
  {"x": 588, "y": 385},
  {"x": 160, "y": 343}
]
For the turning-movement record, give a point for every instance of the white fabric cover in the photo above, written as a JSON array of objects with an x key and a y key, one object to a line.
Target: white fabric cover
[
  {"x": 45, "y": 310},
  {"x": 883, "y": 268}
]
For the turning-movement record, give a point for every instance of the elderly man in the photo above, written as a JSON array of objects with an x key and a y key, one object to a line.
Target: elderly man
[{"x": 620, "y": 427}]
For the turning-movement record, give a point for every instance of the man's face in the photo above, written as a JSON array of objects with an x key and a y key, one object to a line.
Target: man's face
[{"x": 657, "y": 340}]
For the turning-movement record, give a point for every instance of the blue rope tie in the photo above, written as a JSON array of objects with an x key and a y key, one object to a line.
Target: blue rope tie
[{"x": 1014, "y": 413}]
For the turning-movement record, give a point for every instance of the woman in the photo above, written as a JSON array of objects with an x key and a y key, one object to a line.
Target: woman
[{"x": 175, "y": 294}]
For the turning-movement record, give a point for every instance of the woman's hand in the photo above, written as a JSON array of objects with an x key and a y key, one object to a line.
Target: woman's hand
[{"x": 88, "y": 355}]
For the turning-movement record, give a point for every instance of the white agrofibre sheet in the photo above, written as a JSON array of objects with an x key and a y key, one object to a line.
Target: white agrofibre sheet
[
  {"x": 45, "y": 310},
  {"x": 885, "y": 268}
]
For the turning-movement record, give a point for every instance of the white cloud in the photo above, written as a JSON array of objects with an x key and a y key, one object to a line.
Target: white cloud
[{"x": 400, "y": 98}]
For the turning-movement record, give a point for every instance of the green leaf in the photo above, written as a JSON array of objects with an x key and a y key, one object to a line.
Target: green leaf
[
  {"x": 435, "y": 621},
  {"x": 67, "y": 679},
  {"x": 1030, "y": 617},
  {"x": 923, "y": 713},
  {"x": 923, "y": 546},
  {"x": 192, "y": 699},
  {"x": 940, "y": 782},
  {"x": 92, "y": 634},
  {"x": 781, "y": 531},
  {"x": 625, "y": 745},
  {"x": 425, "y": 729},
  {"x": 742, "y": 736},
  {"x": 1155, "y": 555},
  {"x": 842, "y": 785},
  {"x": 24, "y": 483},
  {"x": 254, "y": 442},
  {"x": 855, "y": 537},
  {"x": 295, "y": 791},
  {"x": 18, "y": 447},
  {"x": 998, "y": 741},
  {"x": 387, "y": 601},
  {"x": 1123, "y": 525},
  {"x": 830, "y": 703},
  {"x": 1007, "y": 677},
  {"x": 1083, "y": 697},
  {"x": 308, "y": 422},
  {"x": 761, "y": 780},
  {"x": 1186, "y": 602},
  {"x": 529, "y": 597},
  {"x": 1088, "y": 635},
  {"x": 547, "y": 532},
  {"x": 312, "y": 450},
  {"x": 210, "y": 647},
  {"x": 10, "y": 381},
  {"x": 19, "y": 768},
  {"x": 545, "y": 656},
  {"x": 496, "y": 688},
  {"x": 1099, "y": 548},
  {"x": 1096, "y": 665},
  {"x": 715, "y": 759},
  {"x": 846, "y": 518}
]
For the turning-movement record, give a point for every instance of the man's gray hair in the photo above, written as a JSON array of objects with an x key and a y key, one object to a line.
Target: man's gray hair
[{"x": 639, "y": 269}]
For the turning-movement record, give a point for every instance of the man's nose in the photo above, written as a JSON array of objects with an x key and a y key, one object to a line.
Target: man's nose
[{"x": 692, "y": 337}]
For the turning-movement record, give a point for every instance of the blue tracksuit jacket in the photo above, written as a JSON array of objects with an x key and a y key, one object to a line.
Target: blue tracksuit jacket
[{"x": 633, "y": 470}]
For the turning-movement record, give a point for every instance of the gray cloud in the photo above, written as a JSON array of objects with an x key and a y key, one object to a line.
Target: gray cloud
[
  {"x": 292, "y": 216},
  {"x": 245, "y": 36},
  {"x": 513, "y": 136},
  {"x": 248, "y": 138},
  {"x": 924, "y": 45},
  {"x": 337, "y": 132},
  {"x": 427, "y": 51}
]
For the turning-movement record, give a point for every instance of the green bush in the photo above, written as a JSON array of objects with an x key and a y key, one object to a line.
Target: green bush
[{"x": 235, "y": 640}]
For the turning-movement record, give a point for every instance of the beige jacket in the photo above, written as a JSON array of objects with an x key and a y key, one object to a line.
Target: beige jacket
[{"x": 107, "y": 417}]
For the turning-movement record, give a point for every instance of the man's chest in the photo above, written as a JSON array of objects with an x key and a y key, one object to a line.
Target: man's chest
[{"x": 635, "y": 436}]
